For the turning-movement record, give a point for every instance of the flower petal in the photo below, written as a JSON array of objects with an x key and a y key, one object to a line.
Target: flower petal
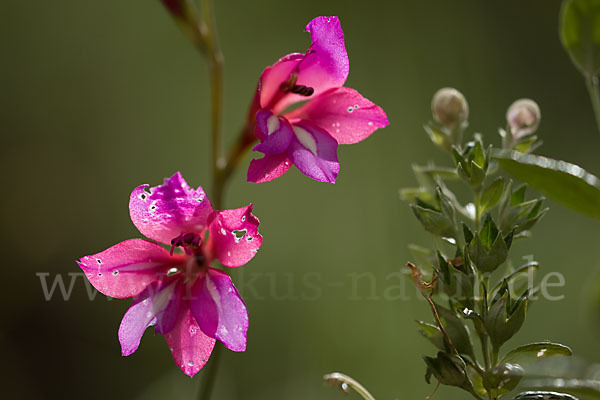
[
  {"x": 324, "y": 66},
  {"x": 189, "y": 346},
  {"x": 125, "y": 269},
  {"x": 314, "y": 152},
  {"x": 268, "y": 168},
  {"x": 344, "y": 113},
  {"x": 233, "y": 236},
  {"x": 166, "y": 211},
  {"x": 277, "y": 133},
  {"x": 157, "y": 305},
  {"x": 219, "y": 309}
]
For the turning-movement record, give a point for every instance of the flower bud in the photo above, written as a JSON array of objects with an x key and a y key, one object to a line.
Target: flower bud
[
  {"x": 449, "y": 107},
  {"x": 523, "y": 117}
]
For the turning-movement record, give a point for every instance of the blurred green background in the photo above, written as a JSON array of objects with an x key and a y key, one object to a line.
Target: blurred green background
[{"x": 100, "y": 96}]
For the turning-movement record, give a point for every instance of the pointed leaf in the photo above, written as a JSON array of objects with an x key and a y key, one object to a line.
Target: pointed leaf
[
  {"x": 564, "y": 183},
  {"x": 535, "y": 351}
]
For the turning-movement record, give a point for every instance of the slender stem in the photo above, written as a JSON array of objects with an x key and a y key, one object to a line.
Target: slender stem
[
  {"x": 593, "y": 87},
  {"x": 215, "y": 66},
  {"x": 345, "y": 381}
]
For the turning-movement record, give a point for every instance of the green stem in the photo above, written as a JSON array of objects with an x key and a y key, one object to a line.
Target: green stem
[
  {"x": 345, "y": 381},
  {"x": 215, "y": 67},
  {"x": 593, "y": 87}
]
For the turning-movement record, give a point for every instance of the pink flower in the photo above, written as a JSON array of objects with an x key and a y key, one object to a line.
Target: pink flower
[
  {"x": 178, "y": 292},
  {"x": 308, "y": 136}
]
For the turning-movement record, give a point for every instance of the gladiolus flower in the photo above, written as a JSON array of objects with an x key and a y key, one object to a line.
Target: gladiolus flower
[
  {"x": 308, "y": 136},
  {"x": 176, "y": 290}
]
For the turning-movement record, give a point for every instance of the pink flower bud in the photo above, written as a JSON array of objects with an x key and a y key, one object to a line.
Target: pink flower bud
[
  {"x": 523, "y": 117},
  {"x": 449, "y": 107}
]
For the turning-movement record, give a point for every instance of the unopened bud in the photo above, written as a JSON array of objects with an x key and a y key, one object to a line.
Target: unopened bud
[
  {"x": 449, "y": 107},
  {"x": 523, "y": 117}
]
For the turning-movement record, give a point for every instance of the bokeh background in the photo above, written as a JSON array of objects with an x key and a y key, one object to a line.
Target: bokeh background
[{"x": 98, "y": 97}]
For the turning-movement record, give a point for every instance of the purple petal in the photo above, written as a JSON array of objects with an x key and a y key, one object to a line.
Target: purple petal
[
  {"x": 189, "y": 346},
  {"x": 233, "y": 236},
  {"x": 125, "y": 269},
  {"x": 219, "y": 309},
  {"x": 157, "y": 305},
  {"x": 344, "y": 113},
  {"x": 324, "y": 66},
  {"x": 314, "y": 152},
  {"x": 166, "y": 211},
  {"x": 268, "y": 168},
  {"x": 276, "y": 131}
]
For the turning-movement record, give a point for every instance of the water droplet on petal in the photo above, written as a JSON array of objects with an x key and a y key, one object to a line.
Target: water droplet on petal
[
  {"x": 370, "y": 123},
  {"x": 350, "y": 109},
  {"x": 115, "y": 273},
  {"x": 356, "y": 106}
]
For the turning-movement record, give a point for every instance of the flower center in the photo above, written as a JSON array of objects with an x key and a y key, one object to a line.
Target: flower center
[
  {"x": 190, "y": 242},
  {"x": 290, "y": 86}
]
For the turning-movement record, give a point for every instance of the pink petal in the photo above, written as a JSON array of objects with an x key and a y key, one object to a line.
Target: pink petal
[
  {"x": 219, "y": 309},
  {"x": 268, "y": 168},
  {"x": 273, "y": 76},
  {"x": 166, "y": 211},
  {"x": 324, "y": 66},
  {"x": 344, "y": 113},
  {"x": 157, "y": 305},
  {"x": 276, "y": 131},
  {"x": 233, "y": 236},
  {"x": 189, "y": 346},
  {"x": 125, "y": 269},
  {"x": 314, "y": 152}
]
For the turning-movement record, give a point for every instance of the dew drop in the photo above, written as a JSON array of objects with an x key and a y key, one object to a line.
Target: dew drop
[
  {"x": 99, "y": 261},
  {"x": 190, "y": 363},
  {"x": 244, "y": 218},
  {"x": 99, "y": 273},
  {"x": 266, "y": 175},
  {"x": 356, "y": 106},
  {"x": 350, "y": 109},
  {"x": 287, "y": 163},
  {"x": 223, "y": 231},
  {"x": 370, "y": 123},
  {"x": 192, "y": 330},
  {"x": 115, "y": 273},
  {"x": 328, "y": 19}
]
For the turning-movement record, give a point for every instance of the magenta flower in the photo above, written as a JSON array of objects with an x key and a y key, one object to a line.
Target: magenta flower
[
  {"x": 178, "y": 291},
  {"x": 308, "y": 136}
]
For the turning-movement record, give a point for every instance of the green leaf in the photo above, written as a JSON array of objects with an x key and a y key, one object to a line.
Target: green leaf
[
  {"x": 434, "y": 221},
  {"x": 564, "y": 183},
  {"x": 491, "y": 195},
  {"x": 478, "y": 155},
  {"x": 435, "y": 171},
  {"x": 541, "y": 395},
  {"x": 489, "y": 232},
  {"x": 535, "y": 351},
  {"x": 584, "y": 388},
  {"x": 433, "y": 334},
  {"x": 457, "y": 331},
  {"x": 580, "y": 34}
]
